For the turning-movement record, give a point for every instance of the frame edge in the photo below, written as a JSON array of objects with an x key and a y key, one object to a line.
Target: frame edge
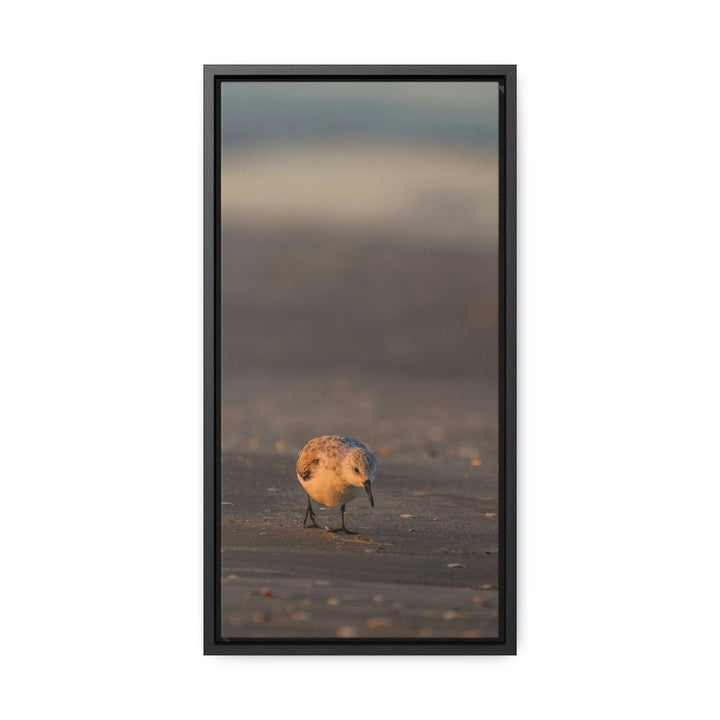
[{"x": 506, "y": 73}]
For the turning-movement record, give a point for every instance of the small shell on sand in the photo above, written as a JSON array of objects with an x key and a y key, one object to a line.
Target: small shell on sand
[
  {"x": 378, "y": 622},
  {"x": 346, "y": 631}
]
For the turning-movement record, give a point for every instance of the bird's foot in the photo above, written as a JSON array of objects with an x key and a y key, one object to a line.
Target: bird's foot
[
  {"x": 342, "y": 529},
  {"x": 313, "y": 524}
]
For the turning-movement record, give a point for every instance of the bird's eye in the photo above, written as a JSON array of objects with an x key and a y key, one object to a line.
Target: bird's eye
[{"x": 356, "y": 470}]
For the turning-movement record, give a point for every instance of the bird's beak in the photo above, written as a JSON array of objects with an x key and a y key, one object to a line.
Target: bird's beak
[{"x": 368, "y": 490}]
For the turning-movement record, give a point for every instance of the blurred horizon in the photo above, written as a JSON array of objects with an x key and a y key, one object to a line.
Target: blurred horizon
[
  {"x": 410, "y": 162},
  {"x": 449, "y": 111}
]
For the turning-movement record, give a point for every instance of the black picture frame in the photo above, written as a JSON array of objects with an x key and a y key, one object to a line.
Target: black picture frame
[{"x": 505, "y": 75}]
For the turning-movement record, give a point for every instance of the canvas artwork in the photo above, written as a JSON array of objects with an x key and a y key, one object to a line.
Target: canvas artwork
[{"x": 358, "y": 386}]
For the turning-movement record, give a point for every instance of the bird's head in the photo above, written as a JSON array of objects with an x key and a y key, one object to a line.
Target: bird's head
[{"x": 359, "y": 470}]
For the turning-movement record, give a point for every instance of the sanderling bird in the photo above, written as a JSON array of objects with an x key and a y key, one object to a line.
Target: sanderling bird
[{"x": 334, "y": 470}]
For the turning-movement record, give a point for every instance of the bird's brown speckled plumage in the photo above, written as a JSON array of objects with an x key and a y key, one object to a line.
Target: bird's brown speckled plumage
[{"x": 333, "y": 469}]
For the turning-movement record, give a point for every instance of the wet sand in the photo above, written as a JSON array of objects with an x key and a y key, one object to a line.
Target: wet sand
[
  {"x": 430, "y": 574},
  {"x": 391, "y": 339}
]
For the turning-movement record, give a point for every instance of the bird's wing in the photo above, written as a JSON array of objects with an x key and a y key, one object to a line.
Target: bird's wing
[{"x": 306, "y": 463}]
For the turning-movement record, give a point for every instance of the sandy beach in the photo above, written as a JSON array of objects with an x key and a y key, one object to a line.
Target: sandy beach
[
  {"x": 424, "y": 563},
  {"x": 321, "y": 338}
]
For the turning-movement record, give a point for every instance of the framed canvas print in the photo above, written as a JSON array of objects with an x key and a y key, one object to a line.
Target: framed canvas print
[{"x": 360, "y": 345}]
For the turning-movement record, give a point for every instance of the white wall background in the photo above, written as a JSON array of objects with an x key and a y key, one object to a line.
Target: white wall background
[{"x": 100, "y": 386}]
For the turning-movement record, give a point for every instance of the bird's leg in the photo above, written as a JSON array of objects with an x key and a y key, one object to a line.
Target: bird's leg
[
  {"x": 342, "y": 528},
  {"x": 309, "y": 512}
]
